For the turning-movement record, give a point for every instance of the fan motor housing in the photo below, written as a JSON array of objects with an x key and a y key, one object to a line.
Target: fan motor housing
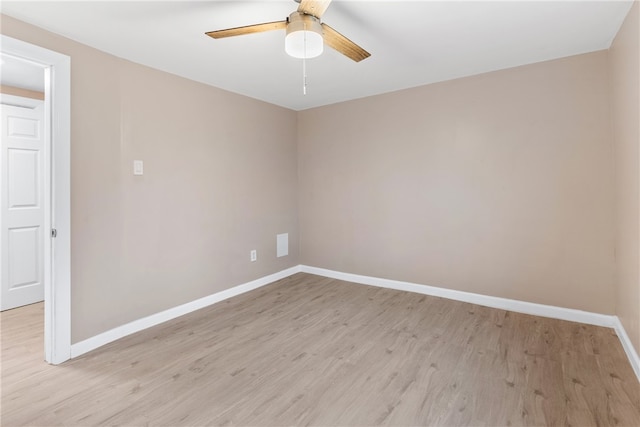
[{"x": 304, "y": 36}]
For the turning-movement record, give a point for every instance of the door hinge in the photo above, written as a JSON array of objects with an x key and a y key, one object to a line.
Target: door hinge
[{"x": 54, "y": 233}]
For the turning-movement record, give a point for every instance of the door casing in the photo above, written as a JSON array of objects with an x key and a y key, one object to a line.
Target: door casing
[{"x": 57, "y": 283}]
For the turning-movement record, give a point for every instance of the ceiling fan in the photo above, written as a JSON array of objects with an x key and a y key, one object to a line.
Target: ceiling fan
[{"x": 306, "y": 34}]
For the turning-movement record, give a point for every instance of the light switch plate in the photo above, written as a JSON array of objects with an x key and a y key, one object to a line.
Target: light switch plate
[{"x": 138, "y": 167}]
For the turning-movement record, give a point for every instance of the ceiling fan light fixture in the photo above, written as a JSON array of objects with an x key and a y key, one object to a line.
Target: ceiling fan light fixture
[{"x": 304, "y": 36}]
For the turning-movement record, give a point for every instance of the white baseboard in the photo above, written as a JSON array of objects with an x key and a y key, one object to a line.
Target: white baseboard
[
  {"x": 628, "y": 347},
  {"x": 99, "y": 340},
  {"x": 484, "y": 300},
  {"x": 487, "y": 301},
  {"x": 554, "y": 312}
]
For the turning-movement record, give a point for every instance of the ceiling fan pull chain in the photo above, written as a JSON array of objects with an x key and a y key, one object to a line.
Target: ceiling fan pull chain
[
  {"x": 304, "y": 61},
  {"x": 304, "y": 76}
]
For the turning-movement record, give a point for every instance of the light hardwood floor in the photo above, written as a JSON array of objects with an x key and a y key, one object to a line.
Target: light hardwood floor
[{"x": 310, "y": 350}]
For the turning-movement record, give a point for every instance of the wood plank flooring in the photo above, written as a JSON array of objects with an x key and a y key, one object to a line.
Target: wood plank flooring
[{"x": 309, "y": 350}]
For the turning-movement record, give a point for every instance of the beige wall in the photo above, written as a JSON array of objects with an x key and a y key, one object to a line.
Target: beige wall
[
  {"x": 220, "y": 179},
  {"x": 625, "y": 95},
  {"x": 17, "y": 91},
  {"x": 499, "y": 184}
]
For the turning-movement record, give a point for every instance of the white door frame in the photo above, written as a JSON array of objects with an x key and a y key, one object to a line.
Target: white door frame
[{"x": 57, "y": 283}]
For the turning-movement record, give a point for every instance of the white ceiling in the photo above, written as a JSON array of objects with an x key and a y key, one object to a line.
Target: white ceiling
[{"x": 412, "y": 43}]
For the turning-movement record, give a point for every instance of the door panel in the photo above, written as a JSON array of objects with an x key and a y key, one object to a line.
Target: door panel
[
  {"x": 23, "y": 127},
  {"x": 24, "y": 257},
  {"x": 21, "y": 207},
  {"x": 22, "y": 177}
]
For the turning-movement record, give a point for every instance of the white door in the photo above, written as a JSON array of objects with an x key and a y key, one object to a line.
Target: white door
[{"x": 22, "y": 185}]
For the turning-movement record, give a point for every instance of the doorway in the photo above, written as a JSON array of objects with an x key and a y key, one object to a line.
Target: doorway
[
  {"x": 53, "y": 235},
  {"x": 24, "y": 184}
]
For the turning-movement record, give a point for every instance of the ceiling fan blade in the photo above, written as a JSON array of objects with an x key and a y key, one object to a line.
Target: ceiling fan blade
[
  {"x": 314, "y": 7},
  {"x": 249, "y": 29},
  {"x": 343, "y": 45}
]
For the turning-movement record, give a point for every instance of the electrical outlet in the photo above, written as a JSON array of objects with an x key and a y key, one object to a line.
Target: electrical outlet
[{"x": 254, "y": 255}]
